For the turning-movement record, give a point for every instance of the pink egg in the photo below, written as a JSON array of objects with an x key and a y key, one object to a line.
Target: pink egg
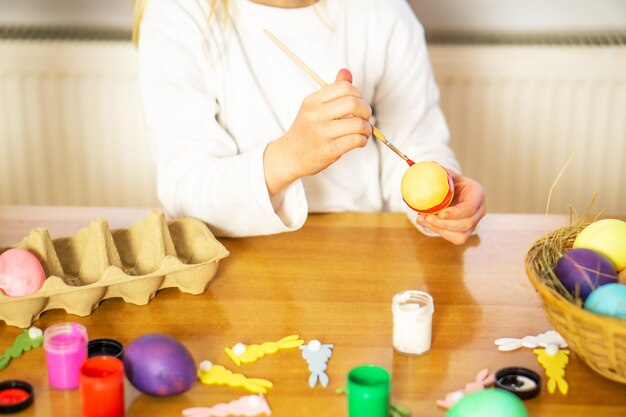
[{"x": 21, "y": 272}]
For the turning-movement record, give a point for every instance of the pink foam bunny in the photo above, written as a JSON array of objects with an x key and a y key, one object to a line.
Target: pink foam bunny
[
  {"x": 249, "y": 405},
  {"x": 483, "y": 379}
]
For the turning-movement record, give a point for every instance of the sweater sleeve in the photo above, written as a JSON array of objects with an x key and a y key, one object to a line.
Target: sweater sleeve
[
  {"x": 200, "y": 169},
  {"x": 406, "y": 99}
]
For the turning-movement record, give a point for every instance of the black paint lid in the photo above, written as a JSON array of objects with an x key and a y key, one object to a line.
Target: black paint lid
[
  {"x": 105, "y": 347},
  {"x": 15, "y": 396},
  {"x": 514, "y": 380}
]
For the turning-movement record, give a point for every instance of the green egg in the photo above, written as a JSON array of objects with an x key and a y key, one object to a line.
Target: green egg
[{"x": 491, "y": 402}]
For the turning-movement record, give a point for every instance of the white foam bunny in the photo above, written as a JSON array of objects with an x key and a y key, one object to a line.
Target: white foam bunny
[{"x": 551, "y": 339}]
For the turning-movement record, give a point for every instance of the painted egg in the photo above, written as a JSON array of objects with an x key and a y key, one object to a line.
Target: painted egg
[
  {"x": 608, "y": 300},
  {"x": 491, "y": 402},
  {"x": 607, "y": 236},
  {"x": 159, "y": 365},
  {"x": 21, "y": 272},
  {"x": 583, "y": 270},
  {"x": 427, "y": 187}
]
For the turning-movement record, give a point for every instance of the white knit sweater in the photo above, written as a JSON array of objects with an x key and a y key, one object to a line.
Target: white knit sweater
[{"x": 215, "y": 95}]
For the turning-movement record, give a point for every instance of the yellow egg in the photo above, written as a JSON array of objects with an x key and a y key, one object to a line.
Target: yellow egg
[
  {"x": 606, "y": 236},
  {"x": 427, "y": 187}
]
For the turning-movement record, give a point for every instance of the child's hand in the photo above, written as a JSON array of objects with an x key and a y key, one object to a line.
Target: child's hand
[
  {"x": 331, "y": 122},
  {"x": 457, "y": 222}
]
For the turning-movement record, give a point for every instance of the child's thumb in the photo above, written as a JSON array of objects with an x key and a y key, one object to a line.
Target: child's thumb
[{"x": 344, "y": 75}]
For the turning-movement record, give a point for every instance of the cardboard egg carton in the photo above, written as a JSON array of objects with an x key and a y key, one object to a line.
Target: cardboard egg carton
[{"x": 98, "y": 263}]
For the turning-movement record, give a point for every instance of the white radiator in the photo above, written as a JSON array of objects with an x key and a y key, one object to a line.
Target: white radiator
[
  {"x": 516, "y": 114},
  {"x": 71, "y": 127}
]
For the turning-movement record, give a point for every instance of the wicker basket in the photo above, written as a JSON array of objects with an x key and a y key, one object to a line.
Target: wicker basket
[{"x": 599, "y": 340}]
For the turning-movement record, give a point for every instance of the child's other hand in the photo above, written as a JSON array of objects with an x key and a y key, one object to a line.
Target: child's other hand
[
  {"x": 457, "y": 222},
  {"x": 330, "y": 122}
]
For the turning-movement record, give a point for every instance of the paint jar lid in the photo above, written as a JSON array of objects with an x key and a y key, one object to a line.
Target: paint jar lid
[
  {"x": 522, "y": 382},
  {"x": 105, "y": 347},
  {"x": 15, "y": 396}
]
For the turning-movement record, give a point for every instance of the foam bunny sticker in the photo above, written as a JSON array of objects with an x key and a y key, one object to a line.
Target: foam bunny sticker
[
  {"x": 551, "y": 337},
  {"x": 483, "y": 379},
  {"x": 25, "y": 341},
  {"x": 241, "y": 353},
  {"x": 211, "y": 374},
  {"x": 554, "y": 361},
  {"x": 317, "y": 354},
  {"x": 250, "y": 405}
]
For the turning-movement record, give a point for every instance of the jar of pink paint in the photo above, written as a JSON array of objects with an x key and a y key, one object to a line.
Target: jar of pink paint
[{"x": 66, "y": 350}]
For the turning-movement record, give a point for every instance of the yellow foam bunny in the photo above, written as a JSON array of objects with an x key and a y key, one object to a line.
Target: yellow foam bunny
[
  {"x": 210, "y": 374},
  {"x": 554, "y": 364},
  {"x": 241, "y": 353}
]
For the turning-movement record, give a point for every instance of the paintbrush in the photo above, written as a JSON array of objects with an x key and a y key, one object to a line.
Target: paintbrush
[{"x": 323, "y": 83}]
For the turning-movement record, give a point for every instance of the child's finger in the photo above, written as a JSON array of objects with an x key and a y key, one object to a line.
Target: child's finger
[
  {"x": 350, "y": 125},
  {"x": 346, "y": 143},
  {"x": 460, "y": 225},
  {"x": 334, "y": 91},
  {"x": 461, "y": 210},
  {"x": 344, "y": 74}
]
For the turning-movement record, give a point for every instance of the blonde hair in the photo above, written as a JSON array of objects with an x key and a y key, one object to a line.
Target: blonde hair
[{"x": 139, "y": 6}]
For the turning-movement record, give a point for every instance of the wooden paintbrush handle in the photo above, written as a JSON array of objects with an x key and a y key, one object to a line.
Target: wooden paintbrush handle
[{"x": 323, "y": 83}]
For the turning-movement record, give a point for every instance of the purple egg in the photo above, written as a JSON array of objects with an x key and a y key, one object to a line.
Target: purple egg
[
  {"x": 159, "y": 365},
  {"x": 583, "y": 270}
]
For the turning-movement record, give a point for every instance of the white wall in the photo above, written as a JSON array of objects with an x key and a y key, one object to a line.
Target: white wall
[
  {"x": 521, "y": 15},
  {"x": 515, "y": 15},
  {"x": 113, "y": 13}
]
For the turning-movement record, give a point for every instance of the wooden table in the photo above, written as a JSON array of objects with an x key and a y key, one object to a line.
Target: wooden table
[{"x": 333, "y": 280}]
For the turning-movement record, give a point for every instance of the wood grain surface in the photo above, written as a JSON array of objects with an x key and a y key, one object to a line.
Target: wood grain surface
[{"x": 333, "y": 280}]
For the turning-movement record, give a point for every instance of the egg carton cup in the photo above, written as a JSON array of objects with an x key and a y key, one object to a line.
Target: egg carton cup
[{"x": 98, "y": 263}]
